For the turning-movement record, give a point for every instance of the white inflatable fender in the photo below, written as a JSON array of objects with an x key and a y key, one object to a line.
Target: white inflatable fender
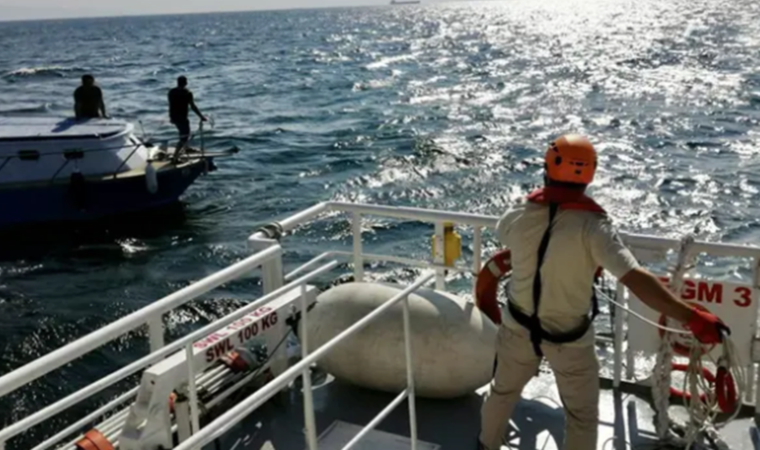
[
  {"x": 151, "y": 178},
  {"x": 453, "y": 343}
]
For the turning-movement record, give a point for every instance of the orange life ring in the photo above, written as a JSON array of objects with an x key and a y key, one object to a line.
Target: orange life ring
[
  {"x": 487, "y": 284},
  {"x": 725, "y": 390}
]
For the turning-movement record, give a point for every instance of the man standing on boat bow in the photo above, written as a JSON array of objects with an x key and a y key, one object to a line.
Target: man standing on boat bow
[
  {"x": 559, "y": 241},
  {"x": 180, "y": 101}
]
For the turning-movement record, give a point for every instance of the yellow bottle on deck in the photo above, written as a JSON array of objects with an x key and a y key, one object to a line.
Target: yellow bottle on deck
[{"x": 452, "y": 245}]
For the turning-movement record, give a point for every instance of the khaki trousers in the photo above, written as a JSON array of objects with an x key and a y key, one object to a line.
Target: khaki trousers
[{"x": 576, "y": 369}]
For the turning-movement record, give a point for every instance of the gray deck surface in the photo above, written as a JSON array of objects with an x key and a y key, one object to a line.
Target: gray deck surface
[{"x": 454, "y": 424}]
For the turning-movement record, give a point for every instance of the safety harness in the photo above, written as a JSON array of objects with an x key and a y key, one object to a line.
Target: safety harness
[{"x": 555, "y": 199}]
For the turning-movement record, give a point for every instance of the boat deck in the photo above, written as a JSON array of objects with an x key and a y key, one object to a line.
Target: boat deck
[
  {"x": 19, "y": 129},
  {"x": 342, "y": 410}
]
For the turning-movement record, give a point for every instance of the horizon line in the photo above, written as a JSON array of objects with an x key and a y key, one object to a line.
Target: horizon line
[{"x": 193, "y": 13}]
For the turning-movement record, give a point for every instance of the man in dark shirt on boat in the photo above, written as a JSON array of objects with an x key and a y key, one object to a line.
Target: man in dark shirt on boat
[
  {"x": 180, "y": 100},
  {"x": 88, "y": 100}
]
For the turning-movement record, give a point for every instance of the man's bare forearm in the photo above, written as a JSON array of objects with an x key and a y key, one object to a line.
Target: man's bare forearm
[{"x": 197, "y": 111}]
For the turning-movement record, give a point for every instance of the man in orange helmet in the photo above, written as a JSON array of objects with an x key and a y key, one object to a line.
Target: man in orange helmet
[{"x": 559, "y": 240}]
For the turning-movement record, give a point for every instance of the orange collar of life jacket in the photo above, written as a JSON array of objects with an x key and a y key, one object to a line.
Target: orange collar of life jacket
[{"x": 565, "y": 198}]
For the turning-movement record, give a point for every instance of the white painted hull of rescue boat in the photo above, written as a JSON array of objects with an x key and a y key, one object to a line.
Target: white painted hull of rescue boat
[{"x": 452, "y": 341}]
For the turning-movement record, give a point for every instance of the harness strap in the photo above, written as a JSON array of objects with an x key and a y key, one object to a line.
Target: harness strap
[
  {"x": 535, "y": 323},
  {"x": 532, "y": 322},
  {"x": 555, "y": 338}
]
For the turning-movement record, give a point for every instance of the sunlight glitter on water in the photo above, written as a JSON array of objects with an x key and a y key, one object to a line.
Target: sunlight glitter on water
[{"x": 439, "y": 106}]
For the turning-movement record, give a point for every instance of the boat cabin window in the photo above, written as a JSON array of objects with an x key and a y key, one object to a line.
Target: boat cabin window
[
  {"x": 28, "y": 155},
  {"x": 73, "y": 154}
]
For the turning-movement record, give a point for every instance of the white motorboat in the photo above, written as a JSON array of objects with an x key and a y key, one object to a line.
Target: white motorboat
[{"x": 65, "y": 170}]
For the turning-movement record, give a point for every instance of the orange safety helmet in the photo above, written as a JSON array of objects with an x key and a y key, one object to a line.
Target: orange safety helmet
[{"x": 571, "y": 159}]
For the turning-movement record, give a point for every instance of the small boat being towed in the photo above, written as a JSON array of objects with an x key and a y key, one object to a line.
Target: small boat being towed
[{"x": 56, "y": 169}]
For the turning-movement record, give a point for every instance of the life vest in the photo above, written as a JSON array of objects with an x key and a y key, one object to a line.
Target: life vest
[{"x": 500, "y": 265}]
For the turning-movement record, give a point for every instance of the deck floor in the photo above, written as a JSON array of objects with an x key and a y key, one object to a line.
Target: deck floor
[{"x": 454, "y": 424}]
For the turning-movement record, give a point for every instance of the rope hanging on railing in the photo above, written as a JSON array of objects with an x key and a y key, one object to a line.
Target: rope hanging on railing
[
  {"x": 705, "y": 396},
  {"x": 664, "y": 360}
]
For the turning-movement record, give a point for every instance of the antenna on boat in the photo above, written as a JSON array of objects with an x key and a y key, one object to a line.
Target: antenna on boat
[
  {"x": 142, "y": 128},
  {"x": 146, "y": 139},
  {"x": 203, "y": 147}
]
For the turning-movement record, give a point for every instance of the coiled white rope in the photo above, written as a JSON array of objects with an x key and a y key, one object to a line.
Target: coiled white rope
[{"x": 703, "y": 414}]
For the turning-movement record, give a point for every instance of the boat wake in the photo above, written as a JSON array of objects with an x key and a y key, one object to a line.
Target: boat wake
[{"x": 44, "y": 71}]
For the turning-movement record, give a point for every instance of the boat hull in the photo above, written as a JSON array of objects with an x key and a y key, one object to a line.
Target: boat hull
[{"x": 95, "y": 199}]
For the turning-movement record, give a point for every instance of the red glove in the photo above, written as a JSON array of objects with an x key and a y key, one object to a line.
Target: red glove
[{"x": 707, "y": 327}]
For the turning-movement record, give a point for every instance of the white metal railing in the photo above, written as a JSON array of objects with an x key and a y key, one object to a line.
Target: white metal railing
[
  {"x": 44, "y": 414},
  {"x": 650, "y": 248},
  {"x": 270, "y": 258},
  {"x": 229, "y": 419},
  {"x": 422, "y": 264},
  {"x": 98, "y": 338},
  {"x": 478, "y": 222},
  {"x": 10, "y": 382}
]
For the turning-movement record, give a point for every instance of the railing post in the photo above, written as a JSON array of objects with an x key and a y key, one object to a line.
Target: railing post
[
  {"x": 750, "y": 388},
  {"x": 618, "y": 337},
  {"x": 356, "y": 230},
  {"x": 156, "y": 333},
  {"x": 271, "y": 272},
  {"x": 203, "y": 149},
  {"x": 630, "y": 360},
  {"x": 192, "y": 390},
  {"x": 182, "y": 418},
  {"x": 751, "y": 373},
  {"x": 308, "y": 396},
  {"x": 440, "y": 274},
  {"x": 410, "y": 374},
  {"x": 757, "y": 397},
  {"x": 272, "y": 279},
  {"x": 477, "y": 254}
]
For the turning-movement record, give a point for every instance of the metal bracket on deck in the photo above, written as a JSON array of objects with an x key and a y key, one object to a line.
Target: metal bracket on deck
[
  {"x": 272, "y": 231},
  {"x": 149, "y": 423}
]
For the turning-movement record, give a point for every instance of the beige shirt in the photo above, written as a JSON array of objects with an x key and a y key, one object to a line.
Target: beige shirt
[{"x": 580, "y": 242}]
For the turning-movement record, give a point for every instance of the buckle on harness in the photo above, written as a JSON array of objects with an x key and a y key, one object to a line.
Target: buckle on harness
[{"x": 538, "y": 333}]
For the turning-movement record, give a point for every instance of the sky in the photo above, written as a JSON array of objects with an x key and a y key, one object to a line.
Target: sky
[{"x": 45, "y": 9}]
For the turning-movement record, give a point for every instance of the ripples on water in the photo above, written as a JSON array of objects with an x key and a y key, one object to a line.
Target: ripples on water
[{"x": 446, "y": 106}]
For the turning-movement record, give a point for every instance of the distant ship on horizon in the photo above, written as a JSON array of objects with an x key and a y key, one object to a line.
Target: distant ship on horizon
[{"x": 405, "y": 2}]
